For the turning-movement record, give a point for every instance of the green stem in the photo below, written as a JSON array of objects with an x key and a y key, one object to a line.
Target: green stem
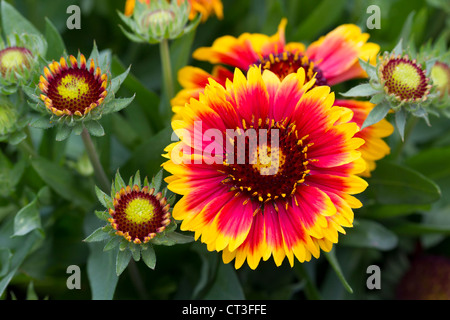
[
  {"x": 311, "y": 290},
  {"x": 166, "y": 72},
  {"x": 95, "y": 161},
  {"x": 410, "y": 125}
]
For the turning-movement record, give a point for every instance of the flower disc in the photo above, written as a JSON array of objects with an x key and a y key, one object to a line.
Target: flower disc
[
  {"x": 404, "y": 79},
  {"x": 14, "y": 58},
  {"x": 139, "y": 215},
  {"x": 287, "y": 62},
  {"x": 73, "y": 90}
]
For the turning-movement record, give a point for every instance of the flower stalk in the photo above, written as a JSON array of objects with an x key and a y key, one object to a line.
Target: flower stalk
[
  {"x": 166, "y": 71},
  {"x": 95, "y": 160}
]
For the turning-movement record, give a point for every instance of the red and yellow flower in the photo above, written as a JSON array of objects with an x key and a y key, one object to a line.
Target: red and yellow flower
[
  {"x": 72, "y": 89},
  {"x": 332, "y": 59},
  {"x": 293, "y": 205}
]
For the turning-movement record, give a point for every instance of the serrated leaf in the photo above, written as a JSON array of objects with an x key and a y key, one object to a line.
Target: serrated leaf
[
  {"x": 362, "y": 90},
  {"x": 96, "y": 236},
  {"x": 149, "y": 257},
  {"x": 377, "y": 114},
  {"x": 27, "y": 219},
  {"x": 122, "y": 261}
]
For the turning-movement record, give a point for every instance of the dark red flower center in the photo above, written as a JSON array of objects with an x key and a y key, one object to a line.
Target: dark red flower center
[
  {"x": 285, "y": 63},
  {"x": 267, "y": 162},
  {"x": 139, "y": 215},
  {"x": 14, "y": 58},
  {"x": 74, "y": 89},
  {"x": 404, "y": 79}
]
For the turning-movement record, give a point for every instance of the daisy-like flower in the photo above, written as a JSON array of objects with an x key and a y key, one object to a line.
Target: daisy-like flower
[
  {"x": 332, "y": 59},
  {"x": 398, "y": 83},
  {"x": 404, "y": 79},
  {"x": 72, "y": 89},
  {"x": 76, "y": 92},
  {"x": 138, "y": 216},
  {"x": 154, "y": 21},
  {"x": 204, "y": 7},
  {"x": 285, "y": 195},
  {"x": 19, "y": 60},
  {"x": 440, "y": 75}
]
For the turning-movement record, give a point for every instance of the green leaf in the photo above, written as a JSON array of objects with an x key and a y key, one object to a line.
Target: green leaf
[
  {"x": 61, "y": 181},
  {"x": 104, "y": 199},
  {"x": 17, "y": 137},
  {"x": 118, "y": 104},
  {"x": 226, "y": 285},
  {"x": 111, "y": 244},
  {"x": 394, "y": 184},
  {"x": 378, "y": 113},
  {"x": 137, "y": 179},
  {"x": 96, "y": 236},
  {"x": 179, "y": 238},
  {"x": 331, "y": 257},
  {"x": 400, "y": 122},
  {"x": 117, "y": 81},
  {"x": 157, "y": 180},
  {"x": 149, "y": 257},
  {"x": 5, "y": 261},
  {"x": 369, "y": 234},
  {"x": 31, "y": 293},
  {"x": 433, "y": 163},
  {"x": 315, "y": 23},
  {"x": 27, "y": 219},
  {"x": 42, "y": 123},
  {"x": 94, "y": 128},
  {"x": 101, "y": 273},
  {"x": 122, "y": 261},
  {"x": 361, "y": 90},
  {"x": 63, "y": 132},
  {"x": 14, "y": 22},
  {"x": 55, "y": 42},
  {"x": 118, "y": 182}
]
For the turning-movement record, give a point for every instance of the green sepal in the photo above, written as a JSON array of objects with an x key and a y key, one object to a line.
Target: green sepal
[{"x": 149, "y": 256}]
